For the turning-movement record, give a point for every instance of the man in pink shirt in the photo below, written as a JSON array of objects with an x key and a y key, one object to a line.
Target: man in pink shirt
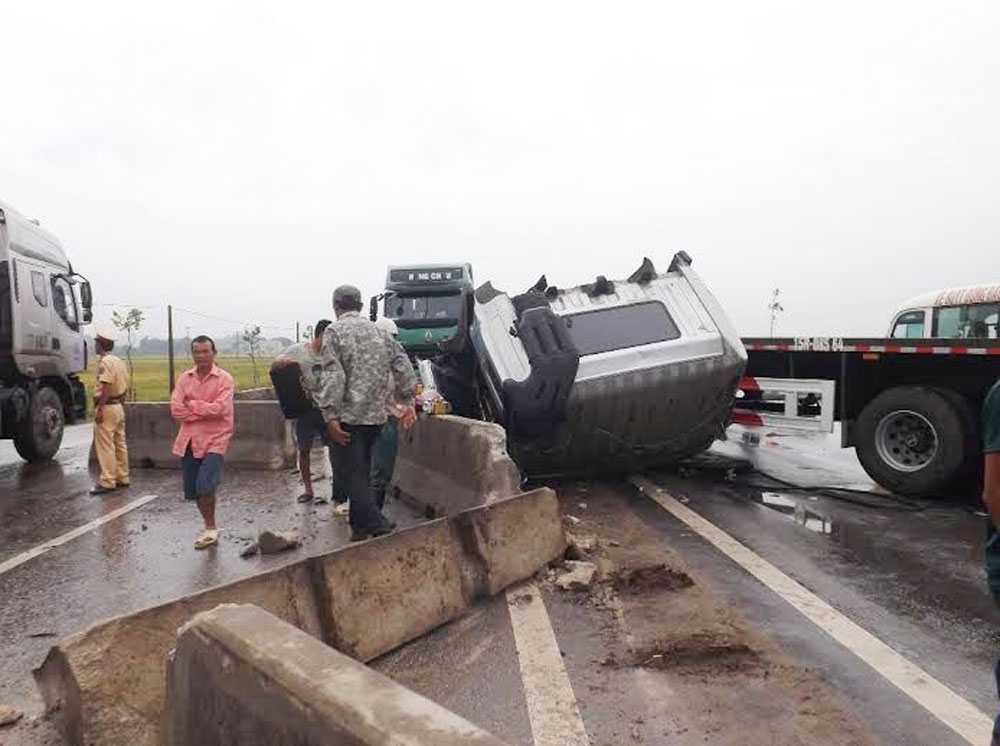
[{"x": 202, "y": 403}]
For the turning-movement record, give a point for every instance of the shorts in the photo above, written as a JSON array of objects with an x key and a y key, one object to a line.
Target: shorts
[
  {"x": 308, "y": 426},
  {"x": 202, "y": 476}
]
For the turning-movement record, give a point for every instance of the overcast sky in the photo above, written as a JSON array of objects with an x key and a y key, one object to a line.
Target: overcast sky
[{"x": 243, "y": 158}]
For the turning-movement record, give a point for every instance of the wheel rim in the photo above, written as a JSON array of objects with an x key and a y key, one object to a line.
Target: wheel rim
[{"x": 906, "y": 440}]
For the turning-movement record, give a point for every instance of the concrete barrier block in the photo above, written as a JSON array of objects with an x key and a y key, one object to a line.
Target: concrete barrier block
[
  {"x": 262, "y": 438},
  {"x": 240, "y": 676},
  {"x": 447, "y": 464},
  {"x": 105, "y": 685},
  {"x": 383, "y": 593},
  {"x": 264, "y": 393},
  {"x": 514, "y": 538}
]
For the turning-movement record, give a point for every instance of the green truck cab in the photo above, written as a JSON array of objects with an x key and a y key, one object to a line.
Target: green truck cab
[{"x": 431, "y": 305}]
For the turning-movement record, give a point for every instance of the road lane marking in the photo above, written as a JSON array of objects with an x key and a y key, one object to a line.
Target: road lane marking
[
  {"x": 957, "y": 713},
  {"x": 41, "y": 549},
  {"x": 552, "y": 709}
]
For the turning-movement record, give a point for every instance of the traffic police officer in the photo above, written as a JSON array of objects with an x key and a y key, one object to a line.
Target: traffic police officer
[{"x": 109, "y": 416}]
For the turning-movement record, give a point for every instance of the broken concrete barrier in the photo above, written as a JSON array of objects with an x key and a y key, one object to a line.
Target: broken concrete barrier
[
  {"x": 381, "y": 594},
  {"x": 239, "y": 675},
  {"x": 447, "y": 464},
  {"x": 106, "y": 684},
  {"x": 262, "y": 437}
]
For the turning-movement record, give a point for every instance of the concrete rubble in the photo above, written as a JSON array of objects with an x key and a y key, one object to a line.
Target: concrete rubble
[
  {"x": 578, "y": 576},
  {"x": 270, "y": 541},
  {"x": 9, "y": 715}
]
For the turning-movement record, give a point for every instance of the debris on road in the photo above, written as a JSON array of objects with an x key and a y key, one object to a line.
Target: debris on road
[
  {"x": 572, "y": 520},
  {"x": 579, "y": 576},
  {"x": 9, "y": 715},
  {"x": 250, "y": 550},
  {"x": 272, "y": 542},
  {"x": 654, "y": 577}
]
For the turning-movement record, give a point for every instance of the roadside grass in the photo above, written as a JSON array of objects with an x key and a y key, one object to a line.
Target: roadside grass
[{"x": 150, "y": 380}]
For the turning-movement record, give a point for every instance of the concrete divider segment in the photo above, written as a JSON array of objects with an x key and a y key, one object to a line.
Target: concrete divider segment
[
  {"x": 241, "y": 676},
  {"x": 262, "y": 437},
  {"x": 381, "y": 594},
  {"x": 446, "y": 464},
  {"x": 513, "y": 538},
  {"x": 105, "y": 685}
]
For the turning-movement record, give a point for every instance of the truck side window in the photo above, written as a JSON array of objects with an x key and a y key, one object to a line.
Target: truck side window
[
  {"x": 64, "y": 302},
  {"x": 978, "y": 321},
  {"x": 909, "y": 325},
  {"x": 38, "y": 288}
]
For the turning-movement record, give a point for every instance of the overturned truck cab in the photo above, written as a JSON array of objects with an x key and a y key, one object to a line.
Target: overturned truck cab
[{"x": 608, "y": 377}]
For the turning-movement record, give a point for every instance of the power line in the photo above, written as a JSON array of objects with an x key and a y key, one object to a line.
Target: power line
[{"x": 232, "y": 321}]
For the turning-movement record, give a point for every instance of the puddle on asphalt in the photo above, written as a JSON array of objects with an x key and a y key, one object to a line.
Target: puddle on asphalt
[{"x": 794, "y": 509}]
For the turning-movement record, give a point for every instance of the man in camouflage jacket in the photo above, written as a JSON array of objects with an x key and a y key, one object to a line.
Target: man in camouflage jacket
[{"x": 358, "y": 358}]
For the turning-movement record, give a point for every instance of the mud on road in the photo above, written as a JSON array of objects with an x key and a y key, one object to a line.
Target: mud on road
[{"x": 719, "y": 677}]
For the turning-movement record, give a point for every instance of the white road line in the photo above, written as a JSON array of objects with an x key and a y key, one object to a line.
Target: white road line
[
  {"x": 552, "y": 709},
  {"x": 20, "y": 559},
  {"x": 957, "y": 713}
]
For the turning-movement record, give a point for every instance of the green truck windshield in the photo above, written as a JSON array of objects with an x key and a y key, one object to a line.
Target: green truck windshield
[{"x": 423, "y": 307}]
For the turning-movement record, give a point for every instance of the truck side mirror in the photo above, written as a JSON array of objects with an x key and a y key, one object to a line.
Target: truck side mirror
[
  {"x": 87, "y": 301},
  {"x": 373, "y": 308}
]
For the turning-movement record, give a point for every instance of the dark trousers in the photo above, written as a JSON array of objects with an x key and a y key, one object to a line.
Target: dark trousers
[
  {"x": 353, "y": 463},
  {"x": 384, "y": 459},
  {"x": 996, "y": 723}
]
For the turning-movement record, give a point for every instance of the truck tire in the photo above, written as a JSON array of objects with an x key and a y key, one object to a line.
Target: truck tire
[
  {"x": 39, "y": 435},
  {"x": 913, "y": 440}
]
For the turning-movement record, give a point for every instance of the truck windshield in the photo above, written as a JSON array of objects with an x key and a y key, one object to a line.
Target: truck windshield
[
  {"x": 423, "y": 307},
  {"x": 622, "y": 326}
]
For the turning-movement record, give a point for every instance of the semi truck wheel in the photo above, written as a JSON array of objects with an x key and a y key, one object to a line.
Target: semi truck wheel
[
  {"x": 39, "y": 435},
  {"x": 913, "y": 440}
]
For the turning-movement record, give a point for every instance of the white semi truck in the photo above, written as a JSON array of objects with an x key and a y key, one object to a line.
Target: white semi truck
[{"x": 44, "y": 305}]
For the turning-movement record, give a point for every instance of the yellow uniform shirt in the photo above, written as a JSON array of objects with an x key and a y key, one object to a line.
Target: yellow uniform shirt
[{"x": 112, "y": 370}]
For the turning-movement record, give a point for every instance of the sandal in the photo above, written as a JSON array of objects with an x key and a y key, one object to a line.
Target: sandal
[
  {"x": 305, "y": 497},
  {"x": 208, "y": 539}
]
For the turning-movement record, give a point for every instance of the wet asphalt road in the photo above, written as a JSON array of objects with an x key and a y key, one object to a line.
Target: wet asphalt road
[{"x": 911, "y": 576}]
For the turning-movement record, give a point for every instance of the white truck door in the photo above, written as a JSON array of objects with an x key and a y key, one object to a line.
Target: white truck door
[
  {"x": 33, "y": 314},
  {"x": 67, "y": 342}
]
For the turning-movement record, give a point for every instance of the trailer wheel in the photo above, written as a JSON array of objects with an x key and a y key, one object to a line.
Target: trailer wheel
[
  {"x": 912, "y": 440},
  {"x": 39, "y": 435}
]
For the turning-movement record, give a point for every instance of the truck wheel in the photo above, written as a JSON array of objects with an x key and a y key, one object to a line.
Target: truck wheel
[
  {"x": 912, "y": 440},
  {"x": 39, "y": 435}
]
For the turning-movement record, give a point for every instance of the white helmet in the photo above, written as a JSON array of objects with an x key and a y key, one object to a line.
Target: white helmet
[{"x": 388, "y": 325}]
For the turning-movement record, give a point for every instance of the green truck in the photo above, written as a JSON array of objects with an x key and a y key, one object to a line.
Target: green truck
[{"x": 431, "y": 305}]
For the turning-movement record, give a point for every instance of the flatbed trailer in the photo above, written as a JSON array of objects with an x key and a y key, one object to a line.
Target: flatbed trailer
[{"x": 911, "y": 407}]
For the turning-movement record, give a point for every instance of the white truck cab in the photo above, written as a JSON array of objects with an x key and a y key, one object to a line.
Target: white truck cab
[
  {"x": 970, "y": 312},
  {"x": 44, "y": 305}
]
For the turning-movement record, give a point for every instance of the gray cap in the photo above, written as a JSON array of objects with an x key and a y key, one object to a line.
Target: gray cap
[{"x": 346, "y": 293}]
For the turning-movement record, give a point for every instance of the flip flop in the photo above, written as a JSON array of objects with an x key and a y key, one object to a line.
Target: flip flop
[
  {"x": 305, "y": 497},
  {"x": 209, "y": 538}
]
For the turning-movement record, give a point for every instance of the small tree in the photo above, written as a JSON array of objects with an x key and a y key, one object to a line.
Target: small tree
[
  {"x": 775, "y": 308},
  {"x": 308, "y": 333},
  {"x": 129, "y": 322},
  {"x": 252, "y": 337}
]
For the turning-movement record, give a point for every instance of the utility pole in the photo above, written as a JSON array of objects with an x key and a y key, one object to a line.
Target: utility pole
[
  {"x": 170, "y": 344},
  {"x": 297, "y": 337},
  {"x": 775, "y": 308}
]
